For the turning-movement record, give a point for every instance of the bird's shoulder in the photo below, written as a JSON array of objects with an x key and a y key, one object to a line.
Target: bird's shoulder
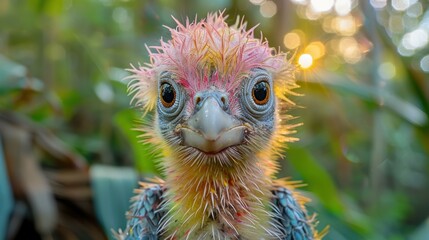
[
  {"x": 145, "y": 212},
  {"x": 291, "y": 214}
]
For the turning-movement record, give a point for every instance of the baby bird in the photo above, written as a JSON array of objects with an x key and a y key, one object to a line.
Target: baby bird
[{"x": 219, "y": 97}]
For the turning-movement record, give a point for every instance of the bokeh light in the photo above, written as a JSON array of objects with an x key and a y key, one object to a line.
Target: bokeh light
[
  {"x": 424, "y": 63},
  {"x": 268, "y": 9},
  {"x": 396, "y": 24},
  {"x": 316, "y": 50},
  {"x": 415, "y": 10},
  {"x": 386, "y": 70},
  {"x": 404, "y": 51},
  {"x": 400, "y": 5},
  {"x": 343, "y": 7},
  {"x": 378, "y": 3},
  {"x": 257, "y": 2},
  {"x": 300, "y": 2},
  {"x": 292, "y": 39},
  {"x": 305, "y": 61},
  {"x": 327, "y": 25},
  {"x": 311, "y": 14},
  {"x": 410, "y": 22},
  {"x": 345, "y": 26},
  {"x": 342, "y": 25},
  {"x": 415, "y": 39},
  {"x": 321, "y": 6},
  {"x": 349, "y": 49}
]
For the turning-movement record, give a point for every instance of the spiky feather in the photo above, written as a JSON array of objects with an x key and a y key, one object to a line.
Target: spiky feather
[{"x": 233, "y": 188}]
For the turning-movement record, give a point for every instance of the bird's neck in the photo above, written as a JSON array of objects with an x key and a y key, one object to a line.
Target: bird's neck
[{"x": 234, "y": 197}]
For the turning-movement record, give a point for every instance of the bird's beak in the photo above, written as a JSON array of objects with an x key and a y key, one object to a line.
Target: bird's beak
[{"x": 211, "y": 129}]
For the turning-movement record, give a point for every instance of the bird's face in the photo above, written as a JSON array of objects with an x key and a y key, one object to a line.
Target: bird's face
[
  {"x": 214, "y": 123},
  {"x": 216, "y": 90}
]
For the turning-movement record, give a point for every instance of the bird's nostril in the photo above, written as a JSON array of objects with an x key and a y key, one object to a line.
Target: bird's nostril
[
  {"x": 223, "y": 99},
  {"x": 220, "y": 98}
]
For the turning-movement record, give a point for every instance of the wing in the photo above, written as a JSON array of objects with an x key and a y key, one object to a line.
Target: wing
[
  {"x": 294, "y": 221},
  {"x": 145, "y": 214}
]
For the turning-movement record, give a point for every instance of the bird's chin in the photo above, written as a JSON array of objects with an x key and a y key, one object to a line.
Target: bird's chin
[{"x": 228, "y": 156}]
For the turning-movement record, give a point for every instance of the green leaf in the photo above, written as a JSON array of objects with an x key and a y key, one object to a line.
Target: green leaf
[
  {"x": 318, "y": 180},
  {"x": 400, "y": 107},
  {"x": 143, "y": 152}
]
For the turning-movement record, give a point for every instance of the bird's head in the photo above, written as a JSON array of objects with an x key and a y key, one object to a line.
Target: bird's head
[{"x": 218, "y": 93}]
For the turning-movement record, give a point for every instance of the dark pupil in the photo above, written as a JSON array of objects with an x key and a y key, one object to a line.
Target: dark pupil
[
  {"x": 260, "y": 91},
  {"x": 167, "y": 93}
]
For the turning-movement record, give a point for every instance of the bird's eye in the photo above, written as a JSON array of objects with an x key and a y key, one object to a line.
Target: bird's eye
[
  {"x": 256, "y": 96},
  {"x": 261, "y": 92},
  {"x": 167, "y": 95}
]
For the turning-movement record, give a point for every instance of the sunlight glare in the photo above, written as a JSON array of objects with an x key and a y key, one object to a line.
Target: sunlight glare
[
  {"x": 321, "y": 6},
  {"x": 305, "y": 61}
]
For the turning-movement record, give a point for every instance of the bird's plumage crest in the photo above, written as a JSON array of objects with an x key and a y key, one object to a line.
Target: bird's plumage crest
[{"x": 209, "y": 52}]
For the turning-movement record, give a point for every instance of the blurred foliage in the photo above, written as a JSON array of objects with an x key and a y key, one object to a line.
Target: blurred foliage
[{"x": 364, "y": 149}]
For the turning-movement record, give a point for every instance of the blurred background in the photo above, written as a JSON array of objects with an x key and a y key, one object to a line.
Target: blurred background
[{"x": 69, "y": 157}]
